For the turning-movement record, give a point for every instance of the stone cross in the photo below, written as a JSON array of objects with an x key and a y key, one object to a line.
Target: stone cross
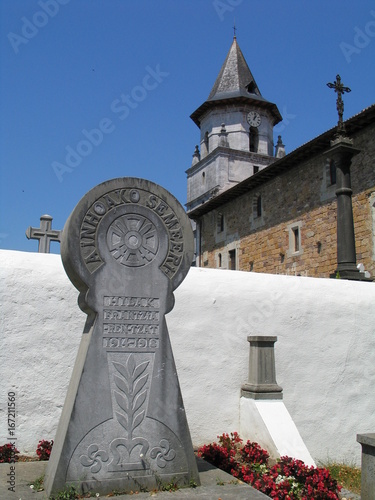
[
  {"x": 126, "y": 246},
  {"x": 45, "y": 234},
  {"x": 340, "y": 90}
]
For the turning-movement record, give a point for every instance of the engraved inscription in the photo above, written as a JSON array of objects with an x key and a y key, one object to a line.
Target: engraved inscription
[
  {"x": 132, "y": 240},
  {"x": 131, "y": 323},
  {"x": 131, "y": 329},
  {"x": 126, "y": 314},
  {"x": 130, "y": 343},
  {"x": 131, "y": 301},
  {"x": 176, "y": 247}
]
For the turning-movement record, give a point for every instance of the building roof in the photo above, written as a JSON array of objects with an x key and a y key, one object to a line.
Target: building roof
[
  {"x": 235, "y": 77},
  {"x": 316, "y": 146},
  {"x": 235, "y": 83}
]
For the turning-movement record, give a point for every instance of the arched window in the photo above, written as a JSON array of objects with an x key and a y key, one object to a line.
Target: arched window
[{"x": 253, "y": 139}]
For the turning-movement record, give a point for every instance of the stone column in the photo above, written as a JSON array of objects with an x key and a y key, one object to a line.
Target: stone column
[
  {"x": 262, "y": 371},
  {"x": 342, "y": 152},
  {"x": 368, "y": 465}
]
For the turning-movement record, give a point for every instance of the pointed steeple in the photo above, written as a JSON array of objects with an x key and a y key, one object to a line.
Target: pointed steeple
[
  {"x": 235, "y": 78},
  {"x": 235, "y": 83}
]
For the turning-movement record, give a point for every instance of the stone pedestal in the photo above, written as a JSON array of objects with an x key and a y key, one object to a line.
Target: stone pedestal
[
  {"x": 263, "y": 415},
  {"x": 368, "y": 465},
  {"x": 262, "y": 383}
]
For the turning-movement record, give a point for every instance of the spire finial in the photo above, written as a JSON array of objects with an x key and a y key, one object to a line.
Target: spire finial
[{"x": 234, "y": 29}]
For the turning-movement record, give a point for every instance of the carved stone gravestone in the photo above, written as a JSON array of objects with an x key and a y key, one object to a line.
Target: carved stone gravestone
[{"x": 126, "y": 246}]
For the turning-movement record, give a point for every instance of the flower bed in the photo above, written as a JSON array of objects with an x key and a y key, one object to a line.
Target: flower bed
[{"x": 288, "y": 479}]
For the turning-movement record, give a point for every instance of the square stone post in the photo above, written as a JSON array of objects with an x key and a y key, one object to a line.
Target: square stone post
[
  {"x": 262, "y": 371},
  {"x": 368, "y": 465},
  {"x": 342, "y": 152}
]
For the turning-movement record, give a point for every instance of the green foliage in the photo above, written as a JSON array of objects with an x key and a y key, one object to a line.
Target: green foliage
[
  {"x": 37, "y": 484},
  {"x": 349, "y": 476},
  {"x": 171, "y": 486},
  {"x": 69, "y": 493}
]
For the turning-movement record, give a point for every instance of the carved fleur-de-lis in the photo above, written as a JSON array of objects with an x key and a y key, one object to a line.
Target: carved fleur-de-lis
[
  {"x": 132, "y": 394},
  {"x": 163, "y": 453},
  {"x": 94, "y": 458}
]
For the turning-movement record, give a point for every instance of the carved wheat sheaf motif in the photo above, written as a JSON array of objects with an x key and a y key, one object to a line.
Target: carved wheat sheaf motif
[{"x": 132, "y": 393}]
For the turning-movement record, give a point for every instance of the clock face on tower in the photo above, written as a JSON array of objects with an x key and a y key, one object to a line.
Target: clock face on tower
[{"x": 253, "y": 119}]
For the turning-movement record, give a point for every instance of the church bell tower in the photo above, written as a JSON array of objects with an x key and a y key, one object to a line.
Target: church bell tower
[{"x": 236, "y": 132}]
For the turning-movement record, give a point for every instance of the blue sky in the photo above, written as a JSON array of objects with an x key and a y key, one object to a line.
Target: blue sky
[{"x": 65, "y": 65}]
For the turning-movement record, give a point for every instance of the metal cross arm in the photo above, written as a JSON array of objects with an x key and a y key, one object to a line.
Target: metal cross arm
[{"x": 340, "y": 89}]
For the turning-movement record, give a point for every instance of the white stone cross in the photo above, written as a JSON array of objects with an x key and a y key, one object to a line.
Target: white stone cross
[{"x": 45, "y": 234}]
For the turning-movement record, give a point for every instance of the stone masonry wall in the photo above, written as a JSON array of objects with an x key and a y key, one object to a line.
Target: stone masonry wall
[{"x": 302, "y": 197}]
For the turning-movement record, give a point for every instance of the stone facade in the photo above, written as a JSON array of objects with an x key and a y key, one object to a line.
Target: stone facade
[{"x": 287, "y": 224}]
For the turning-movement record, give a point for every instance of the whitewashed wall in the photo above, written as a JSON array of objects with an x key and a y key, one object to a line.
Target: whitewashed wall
[{"x": 325, "y": 354}]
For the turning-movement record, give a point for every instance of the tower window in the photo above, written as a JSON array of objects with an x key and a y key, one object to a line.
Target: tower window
[
  {"x": 257, "y": 205},
  {"x": 232, "y": 260},
  {"x": 220, "y": 223},
  {"x": 253, "y": 139},
  {"x": 296, "y": 242},
  {"x": 251, "y": 87}
]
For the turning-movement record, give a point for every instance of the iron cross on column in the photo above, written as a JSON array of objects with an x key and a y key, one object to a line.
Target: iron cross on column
[
  {"x": 45, "y": 234},
  {"x": 339, "y": 89}
]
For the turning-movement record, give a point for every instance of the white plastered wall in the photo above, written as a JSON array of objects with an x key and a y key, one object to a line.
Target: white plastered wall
[{"x": 325, "y": 353}]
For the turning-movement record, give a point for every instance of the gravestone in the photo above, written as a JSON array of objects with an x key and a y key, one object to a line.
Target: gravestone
[{"x": 126, "y": 246}]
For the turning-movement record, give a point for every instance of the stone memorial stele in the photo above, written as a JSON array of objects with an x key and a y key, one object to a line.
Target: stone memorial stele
[{"x": 126, "y": 246}]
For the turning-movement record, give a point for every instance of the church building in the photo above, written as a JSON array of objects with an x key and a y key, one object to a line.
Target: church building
[{"x": 257, "y": 208}]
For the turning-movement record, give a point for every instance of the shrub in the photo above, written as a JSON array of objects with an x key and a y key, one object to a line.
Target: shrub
[
  {"x": 8, "y": 453},
  {"x": 288, "y": 479},
  {"x": 44, "y": 449}
]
